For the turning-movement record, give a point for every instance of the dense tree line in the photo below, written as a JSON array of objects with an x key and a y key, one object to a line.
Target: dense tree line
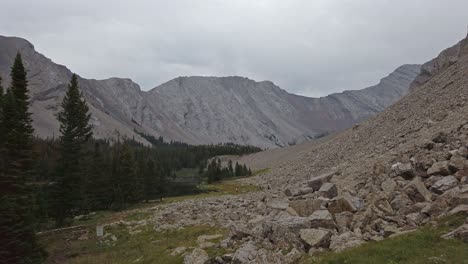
[
  {"x": 55, "y": 179},
  {"x": 216, "y": 171}
]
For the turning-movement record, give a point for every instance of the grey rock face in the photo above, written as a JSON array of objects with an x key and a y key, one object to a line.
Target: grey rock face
[{"x": 200, "y": 110}]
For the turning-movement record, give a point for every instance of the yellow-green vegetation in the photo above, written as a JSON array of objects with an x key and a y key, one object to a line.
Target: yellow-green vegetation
[
  {"x": 262, "y": 171},
  {"x": 216, "y": 189},
  {"x": 424, "y": 246},
  {"x": 147, "y": 246}
]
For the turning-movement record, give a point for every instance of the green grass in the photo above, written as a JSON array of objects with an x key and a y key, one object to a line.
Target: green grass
[
  {"x": 151, "y": 246},
  {"x": 187, "y": 173},
  {"x": 262, "y": 171},
  {"x": 424, "y": 246},
  {"x": 216, "y": 189},
  {"x": 148, "y": 246}
]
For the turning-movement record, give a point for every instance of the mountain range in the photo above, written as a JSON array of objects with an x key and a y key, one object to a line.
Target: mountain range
[{"x": 200, "y": 110}]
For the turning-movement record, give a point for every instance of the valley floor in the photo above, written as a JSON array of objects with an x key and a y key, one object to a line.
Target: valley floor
[{"x": 166, "y": 232}]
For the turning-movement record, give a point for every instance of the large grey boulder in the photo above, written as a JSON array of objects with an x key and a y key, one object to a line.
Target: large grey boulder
[
  {"x": 316, "y": 182},
  {"x": 457, "y": 163},
  {"x": 328, "y": 190},
  {"x": 345, "y": 240},
  {"x": 245, "y": 254},
  {"x": 439, "y": 168},
  {"x": 460, "y": 233},
  {"x": 404, "y": 170},
  {"x": 305, "y": 207},
  {"x": 278, "y": 204},
  {"x": 417, "y": 192},
  {"x": 197, "y": 256},
  {"x": 344, "y": 203},
  {"x": 388, "y": 187},
  {"x": 322, "y": 219},
  {"x": 316, "y": 237},
  {"x": 284, "y": 232},
  {"x": 446, "y": 183}
]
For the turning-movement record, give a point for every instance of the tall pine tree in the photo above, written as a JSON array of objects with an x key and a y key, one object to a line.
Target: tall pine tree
[
  {"x": 75, "y": 132},
  {"x": 2, "y": 128},
  {"x": 17, "y": 235}
]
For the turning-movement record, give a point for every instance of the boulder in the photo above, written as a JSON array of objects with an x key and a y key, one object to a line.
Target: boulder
[
  {"x": 460, "y": 233},
  {"x": 457, "y": 163},
  {"x": 436, "y": 208},
  {"x": 439, "y": 137},
  {"x": 417, "y": 192},
  {"x": 345, "y": 240},
  {"x": 305, "y": 207},
  {"x": 404, "y": 170},
  {"x": 294, "y": 192},
  {"x": 344, "y": 203},
  {"x": 415, "y": 219},
  {"x": 432, "y": 180},
  {"x": 291, "y": 192},
  {"x": 401, "y": 202},
  {"x": 245, "y": 254},
  {"x": 343, "y": 221},
  {"x": 316, "y": 182},
  {"x": 291, "y": 211},
  {"x": 316, "y": 237},
  {"x": 284, "y": 232},
  {"x": 328, "y": 190},
  {"x": 444, "y": 184},
  {"x": 462, "y": 208},
  {"x": 439, "y": 168},
  {"x": 388, "y": 187},
  {"x": 197, "y": 256},
  {"x": 178, "y": 251},
  {"x": 278, "y": 204},
  {"x": 389, "y": 230},
  {"x": 238, "y": 232},
  {"x": 322, "y": 219}
]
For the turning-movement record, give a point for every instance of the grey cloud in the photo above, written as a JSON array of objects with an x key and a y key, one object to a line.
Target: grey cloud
[{"x": 308, "y": 47}]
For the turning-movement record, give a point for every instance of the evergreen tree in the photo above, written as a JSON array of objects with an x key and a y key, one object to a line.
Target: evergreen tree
[
  {"x": 17, "y": 235},
  {"x": 231, "y": 169},
  {"x": 150, "y": 180},
  {"x": 2, "y": 129},
  {"x": 128, "y": 177},
  {"x": 238, "y": 169},
  {"x": 98, "y": 184},
  {"x": 75, "y": 132}
]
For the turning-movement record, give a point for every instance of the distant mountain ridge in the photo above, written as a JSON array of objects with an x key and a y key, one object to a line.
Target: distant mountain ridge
[{"x": 200, "y": 110}]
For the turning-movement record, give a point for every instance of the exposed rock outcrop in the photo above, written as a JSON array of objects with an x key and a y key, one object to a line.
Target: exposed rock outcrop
[{"x": 200, "y": 110}]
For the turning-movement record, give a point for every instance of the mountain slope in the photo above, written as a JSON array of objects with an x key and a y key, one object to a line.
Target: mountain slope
[{"x": 200, "y": 110}]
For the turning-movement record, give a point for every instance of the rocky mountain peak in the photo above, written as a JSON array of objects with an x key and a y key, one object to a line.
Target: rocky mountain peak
[{"x": 197, "y": 109}]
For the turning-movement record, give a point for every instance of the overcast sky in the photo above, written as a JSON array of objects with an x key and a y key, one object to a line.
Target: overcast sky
[{"x": 308, "y": 47}]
